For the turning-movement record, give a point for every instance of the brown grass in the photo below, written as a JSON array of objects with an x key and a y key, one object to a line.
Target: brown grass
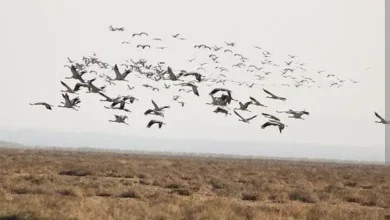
[{"x": 38, "y": 184}]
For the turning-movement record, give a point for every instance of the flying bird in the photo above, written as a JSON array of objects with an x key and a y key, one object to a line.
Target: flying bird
[
  {"x": 382, "y": 120},
  {"x": 246, "y": 120},
  {"x": 152, "y": 122},
  {"x": 119, "y": 119},
  {"x": 255, "y": 102},
  {"x": 279, "y": 124},
  {"x": 270, "y": 116},
  {"x": 47, "y": 106},
  {"x": 221, "y": 110},
  {"x": 194, "y": 87},
  {"x": 272, "y": 96}
]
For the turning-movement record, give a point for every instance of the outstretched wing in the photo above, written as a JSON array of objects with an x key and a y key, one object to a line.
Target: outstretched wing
[
  {"x": 251, "y": 117},
  {"x": 102, "y": 94},
  {"x": 195, "y": 89},
  {"x": 154, "y": 104},
  {"x": 254, "y": 100},
  {"x": 171, "y": 74},
  {"x": 270, "y": 116},
  {"x": 377, "y": 115},
  {"x": 268, "y": 92},
  {"x": 66, "y": 86},
  {"x": 117, "y": 73},
  {"x": 151, "y": 122},
  {"x": 267, "y": 124},
  {"x": 239, "y": 115}
]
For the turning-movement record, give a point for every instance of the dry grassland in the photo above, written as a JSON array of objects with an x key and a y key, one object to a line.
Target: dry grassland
[{"x": 43, "y": 184}]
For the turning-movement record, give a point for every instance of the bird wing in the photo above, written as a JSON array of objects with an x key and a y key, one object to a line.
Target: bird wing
[
  {"x": 151, "y": 122},
  {"x": 270, "y": 116},
  {"x": 66, "y": 97},
  {"x": 195, "y": 89},
  {"x": 155, "y": 105},
  {"x": 254, "y": 100},
  {"x": 148, "y": 111},
  {"x": 268, "y": 92},
  {"x": 239, "y": 115},
  {"x": 127, "y": 72},
  {"x": 247, "y": 104},
  {"x": 66, "y": 86},
  {"x": 248, "y": 119},
  {"x": 268, "y": 123},
  {"x": 171, "y": 74},
  {"x": 117, "y": 73},
  {"x": 377, "y": 115},
  {"x": 108, "y": 98}
]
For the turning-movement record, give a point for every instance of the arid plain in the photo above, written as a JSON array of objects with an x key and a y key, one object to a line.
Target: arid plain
[{"x": 54, "y": 184}]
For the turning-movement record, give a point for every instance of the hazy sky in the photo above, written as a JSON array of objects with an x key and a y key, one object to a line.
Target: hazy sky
[{"x": 343, "y": 37}]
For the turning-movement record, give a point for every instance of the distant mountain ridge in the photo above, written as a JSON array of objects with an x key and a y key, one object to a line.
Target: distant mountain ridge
[{"x": 188, "y": 147}]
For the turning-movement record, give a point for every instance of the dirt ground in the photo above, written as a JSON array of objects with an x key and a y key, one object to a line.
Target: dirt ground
[{"x": 53, "y": 184}]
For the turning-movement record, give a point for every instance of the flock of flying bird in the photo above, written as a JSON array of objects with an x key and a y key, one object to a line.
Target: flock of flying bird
[{"x": 191, "y": 79}]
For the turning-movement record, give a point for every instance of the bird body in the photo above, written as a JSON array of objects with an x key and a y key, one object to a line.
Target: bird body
[{"x": 47, "y": 106}]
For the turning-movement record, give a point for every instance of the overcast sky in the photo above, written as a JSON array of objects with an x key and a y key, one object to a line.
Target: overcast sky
[{"x": 343, "y": 37}]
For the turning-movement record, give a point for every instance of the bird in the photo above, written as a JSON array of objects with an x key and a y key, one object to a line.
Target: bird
[
  {"x": 140, "y": 34},
  {"x": 272, "y": 96},
  {"x": 382, "y": 120},
  {"x": 152, "y": 122},
  {"x": 182, "y": 103},
  {"x": 198, "y": 76},
  {"x": 295, "y": 114},
  {"x": 154, "y": 112},
  {"x": 75, "y": 74},
  {"x": 255, "y": 102},
  {"x": 120, "y": 76},
  {"x": 221, "y": 110},
  {"x": 108, "y": 99},
  {"x": 68, "y": 89},
  {"x": 280, "y": 125},
  {"x": 246, "y": 120},
  {"x": 232, "y": 44},
  {"x": 270, "y": 116},
  {"x": 91, "y": 88},
  {"x": 69, "y": 103},
  {"x": 157, "y": 108},
  {"x": 119, "y": 119},
  {"x": 244, "y": 107},
  {"x": 143, "y": 46},
  {"x": 121, "y": 107},
  {"x": 194, "y": 87},
  {"x": 47, "y": 106},
  {"x": 172, "y": 76}
]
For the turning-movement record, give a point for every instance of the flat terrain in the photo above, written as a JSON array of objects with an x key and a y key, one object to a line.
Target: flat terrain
[{"x": 48, "y": 184}]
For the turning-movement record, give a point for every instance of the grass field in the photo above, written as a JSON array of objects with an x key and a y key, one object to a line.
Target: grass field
[{"x": 44, "y": 184}]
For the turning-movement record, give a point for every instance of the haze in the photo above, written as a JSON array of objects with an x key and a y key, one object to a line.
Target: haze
[{"x": 345, "y": 38}]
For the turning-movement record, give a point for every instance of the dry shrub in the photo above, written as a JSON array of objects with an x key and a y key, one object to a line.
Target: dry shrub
[
  {"x": 302, "y": 196},
  {"x": 76, "y": 172}
]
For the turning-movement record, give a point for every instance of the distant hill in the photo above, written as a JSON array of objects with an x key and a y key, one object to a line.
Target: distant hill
[{"x": 6, "y": 144}]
